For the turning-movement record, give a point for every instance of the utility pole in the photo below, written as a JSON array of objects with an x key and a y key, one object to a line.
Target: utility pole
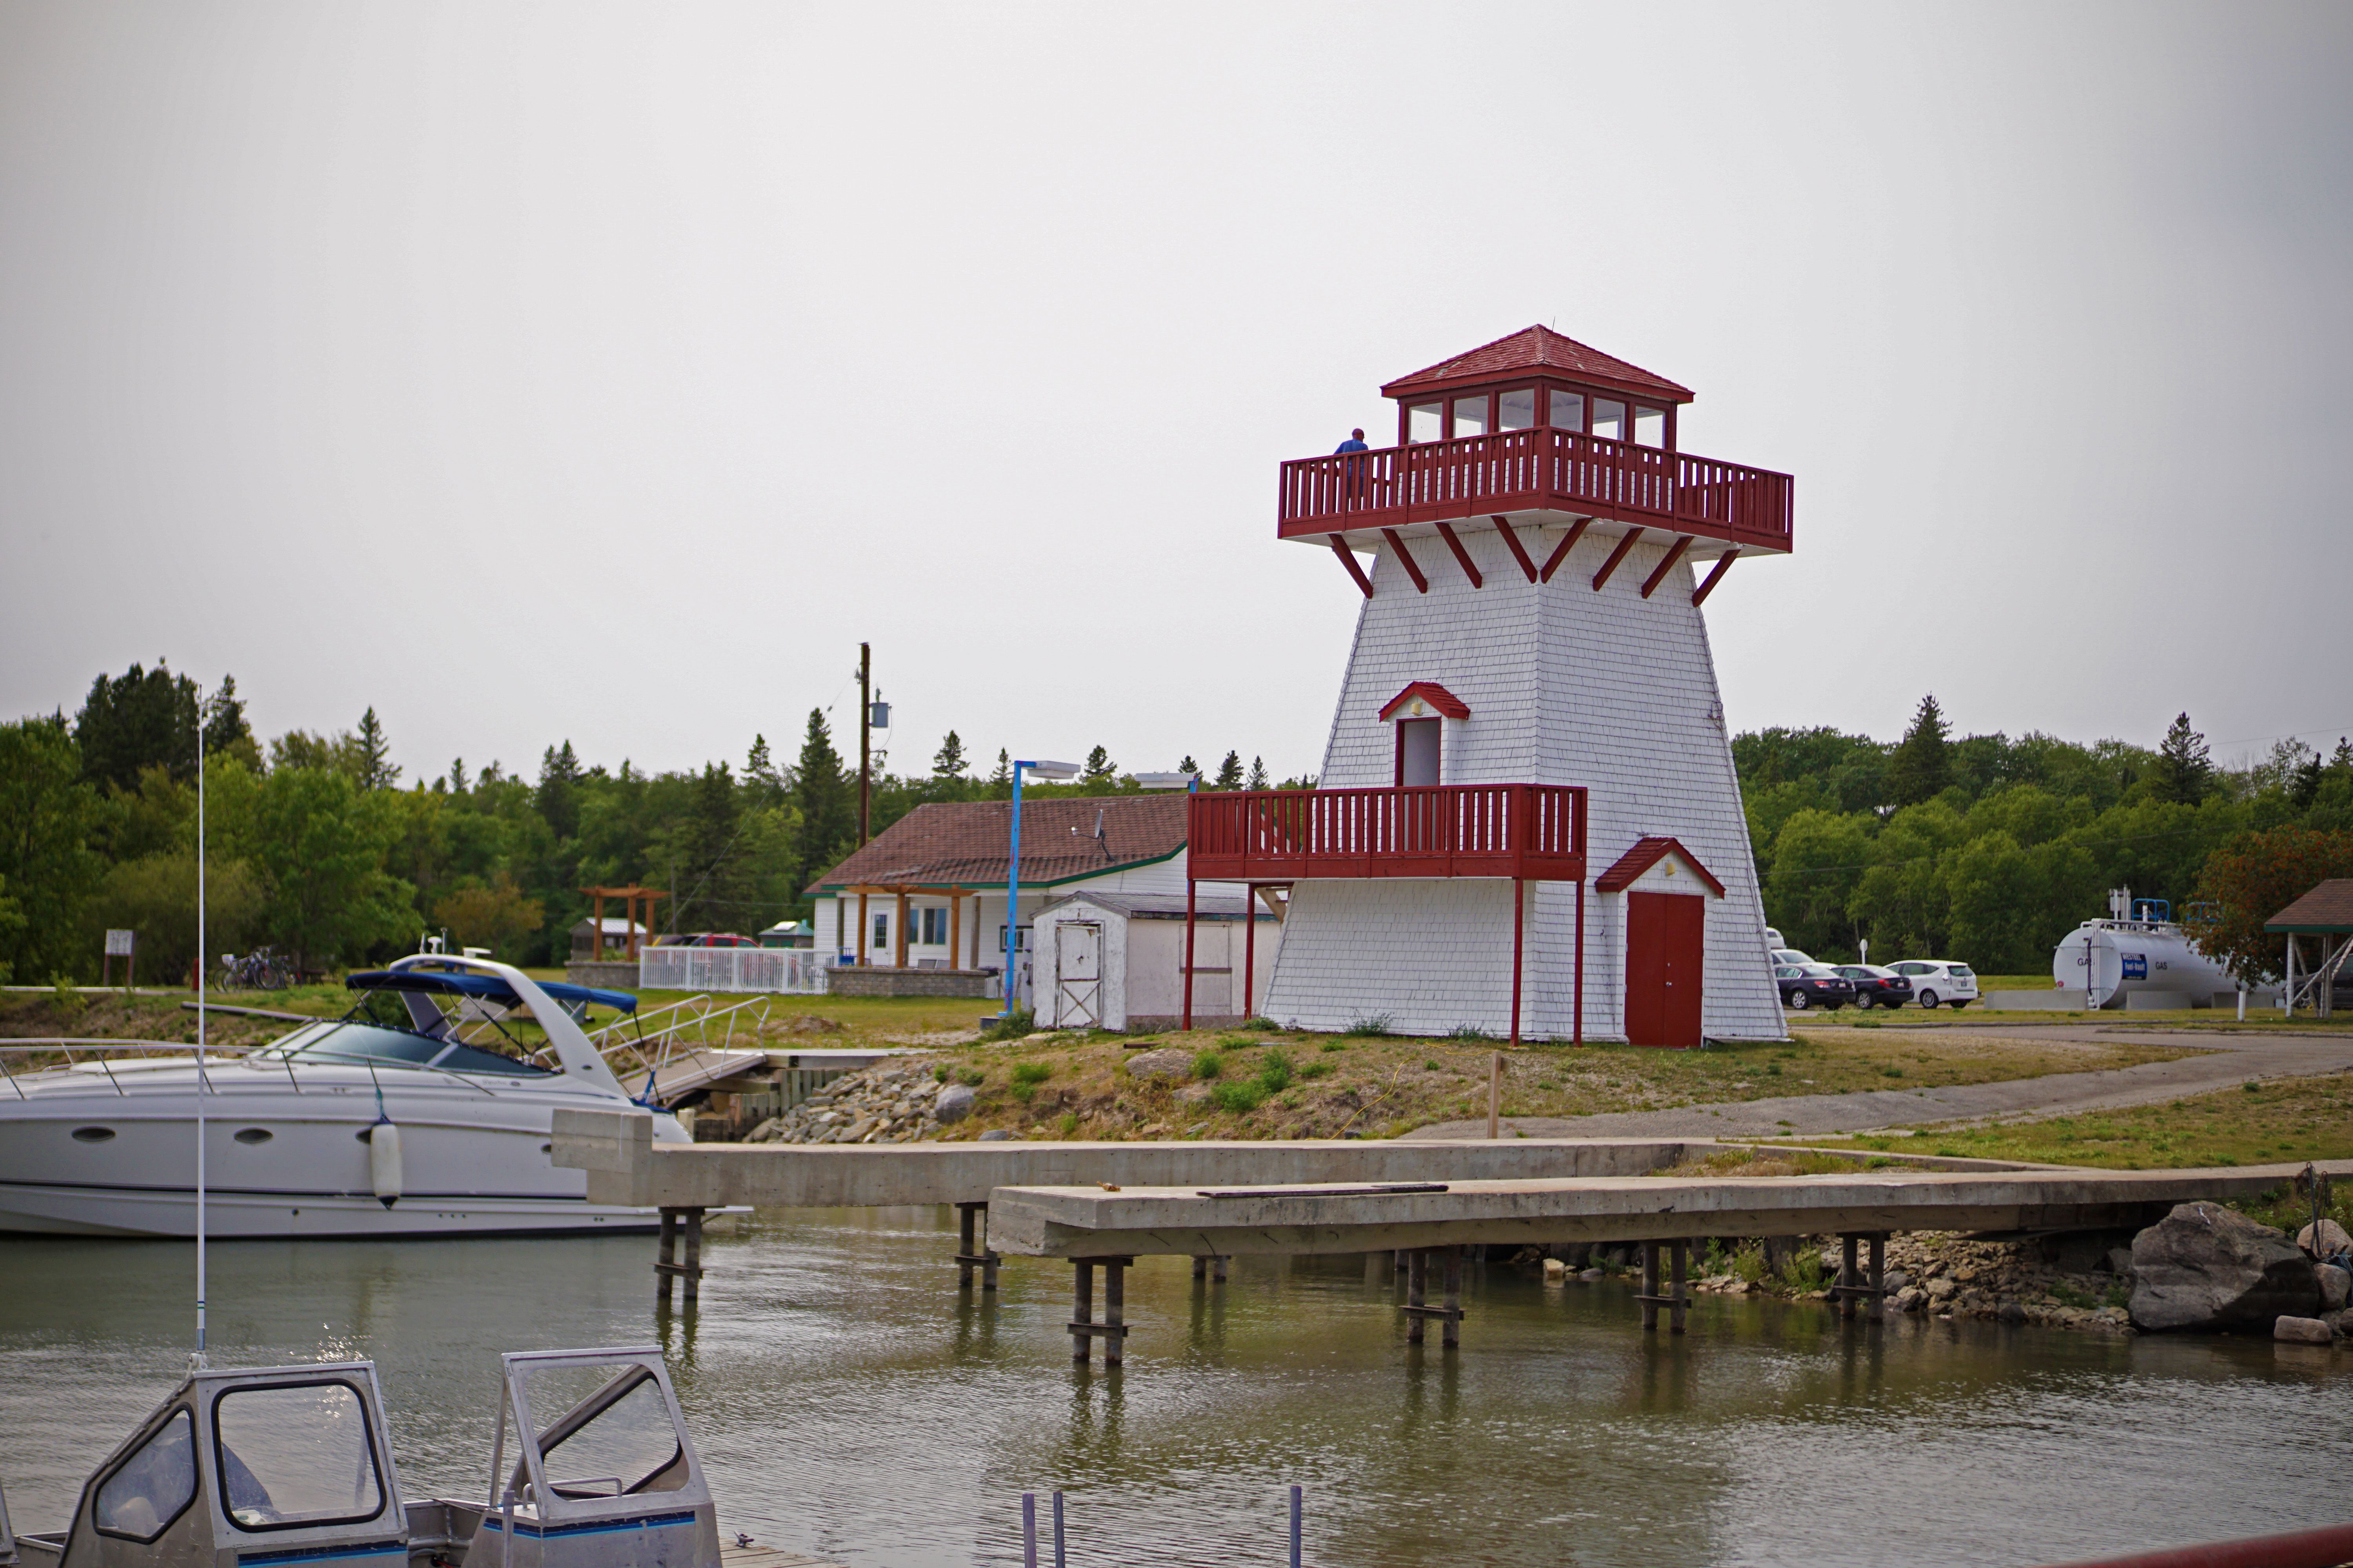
[{"x": 865, "y": 737}]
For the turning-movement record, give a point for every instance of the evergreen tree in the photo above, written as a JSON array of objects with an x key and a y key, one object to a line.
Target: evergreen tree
[
  {"x": 828, "y": 798},
  {"x": 949, "y": 763},
  {"x": 225, "y": 724},
  {"x": 1100, "y": 768},
  {"x": 558, "y": 796},
  {"x": 2183, "y": 772},
  {"x": 2303, "y": 782},
  {"x": 1230, "y": 772},
  {"x": 143, "y": 719},
  {"x": 763, "y": 783},
  {"x": 371, "y": 761},
  {"x": 1003, "y": 777},
  {"x": 1257, "y": 774},
  {"x": 1923, "y": 765},
  {"x": 457, "y": 775},
  {"x": 1189, "y": 766},
  {"x": 712, "y": 884}
]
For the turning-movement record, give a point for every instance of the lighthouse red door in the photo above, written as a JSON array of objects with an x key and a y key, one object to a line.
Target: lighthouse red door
[{"x": 1665, "y": 942}]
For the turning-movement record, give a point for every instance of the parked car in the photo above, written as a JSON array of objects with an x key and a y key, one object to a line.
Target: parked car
[
  {"x": 1936, "y": 980},
  {"x": 1790, "y": 955},
  {"x": 1805, "y": 986},
  {"x": 705, "y": 939},
  {"x": 1875, "y": 987}
]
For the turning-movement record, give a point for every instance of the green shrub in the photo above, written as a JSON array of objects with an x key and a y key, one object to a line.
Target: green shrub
[
  {"x": 1275, "y": 1071},
  {"x": 940, "y": 1073},
  {"x": 1469, "y": 1032},
  {"x": 1070, "y": 1122},
  {"x": 2066, "y": 1295},
  {"x": 1333, "y": 1046},
  {"x": 1207, "y": 1064},
  {"x": 1773, "y": 1069},
  {"x": 1314, "y": 1069},
  {"x": 1241, "y": 1099},
  {"x": 1432, "y": 1066},
  {"x": 1804, "y": 1271},
  {"x": 1369, "y": 1023},
  {"x": 972, "y": 1078},
  {"x": 1264, "y": 1026},
  {"x": 1747, "y": 1262},
  {"x": 1025, "y": 1073},
  {"x": 1012, "y": 1027},
  {"x": 1891, "y": 1072}
]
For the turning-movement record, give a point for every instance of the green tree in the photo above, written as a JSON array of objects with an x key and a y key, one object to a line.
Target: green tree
[
  {"x": 1099, "y": 769},
  {"x": 2184, "y": 772},
  {"x": 1230, "y": 772},
  {"x": 48, "y": 867},
  {"x": 2252, "y": 877},
  {"x": 497, "y": 916},
  {"x": 1257, "y": 774},
  {"x": 1922, "y": 765},
  {"x": 371, "y": 759},
  {"x": 949, "y": 763},
  {"x": 1818, "y": 861},
  {"x": 139, "y": 720},
  {"x": 558, "y": 796},
  {"x": 828, "y": 801},
  {"x": 1189, "y": 766},
  {"x": 155, "y": 896},
  {"x": 319, "y": 844}
]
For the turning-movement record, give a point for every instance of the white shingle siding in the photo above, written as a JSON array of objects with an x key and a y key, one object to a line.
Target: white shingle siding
[{"x": 1565, "y": 686}]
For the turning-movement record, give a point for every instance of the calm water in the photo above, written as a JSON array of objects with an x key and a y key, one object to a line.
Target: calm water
[{"x": 848, "y": 1404}]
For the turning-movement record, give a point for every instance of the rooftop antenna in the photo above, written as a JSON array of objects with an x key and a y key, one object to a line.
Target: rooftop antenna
[{"x": 197, "y": 1362}]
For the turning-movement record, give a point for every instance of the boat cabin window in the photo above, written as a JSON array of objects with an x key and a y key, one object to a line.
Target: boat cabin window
[
  {"x": 1609, "y": 419},
  {"x": 367, "y": 1042},
  {"x": 1425, "y": 421},
  {"x": 1471, "y": 415},
  {"x": 152, "y": 1487},
  {"x": 1567, "y": 411},
  {"x": 616, "y": 1439},
  {"x": 1516, "y": 410},
  {"x": 1650, "y": 426},
  {"x": 1417, "y": 753},
  {"x": 296, "y": 1453}
]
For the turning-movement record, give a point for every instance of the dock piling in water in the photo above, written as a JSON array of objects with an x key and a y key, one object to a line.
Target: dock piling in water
[{"x": 973, "y": 1250}]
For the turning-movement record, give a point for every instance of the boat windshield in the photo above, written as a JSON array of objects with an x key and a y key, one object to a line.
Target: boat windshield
[
  {"x": 296, "y": 1453},
  {"x": 347, "y": 1040}
]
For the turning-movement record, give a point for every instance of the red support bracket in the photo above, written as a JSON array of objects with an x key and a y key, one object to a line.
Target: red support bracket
[
  {"x": 1560, "y": 551},
  {"x": 1348, "y": 559},
  {"x": 1601, "y": 578},
  {"x": 1519, "y": 552},
  {"x": 1405, "y": 560},
  {"x": 1723, "y": 564},
  {"x": 1666, "y": 564},
  {"x": 1446, "y": 531}
]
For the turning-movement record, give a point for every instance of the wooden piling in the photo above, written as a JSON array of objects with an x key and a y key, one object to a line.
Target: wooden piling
[
  {"x": 1115, "y": 1311},
  {"x": 973, "y": 1248},
  {"x": 1082, "y": 1308},
  {"x": 683, "y": 1224},
  {"x": 1650, "y": 1297},
  {"x": 693, "y": 1271},
  {"x": 666, "y": 1258}
]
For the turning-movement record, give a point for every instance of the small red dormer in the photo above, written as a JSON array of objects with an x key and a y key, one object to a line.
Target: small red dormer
[{"x": 1533, "y": 379}]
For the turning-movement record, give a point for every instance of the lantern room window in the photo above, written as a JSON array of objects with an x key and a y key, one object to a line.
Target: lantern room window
[
  {"x": 1425, "y": 422},
  {"x": 1471, "y": 415},
  {"x": 1516, "y": 410},
  {"x": 1609, "y": 419},
  {"x": 1568, "y": 410}
]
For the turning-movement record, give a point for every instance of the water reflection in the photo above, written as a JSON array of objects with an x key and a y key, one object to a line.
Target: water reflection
[{"x": 852, "y": 1403}]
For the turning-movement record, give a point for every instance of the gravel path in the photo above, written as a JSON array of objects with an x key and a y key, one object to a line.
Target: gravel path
[{"x": 2229, "y": 1059}]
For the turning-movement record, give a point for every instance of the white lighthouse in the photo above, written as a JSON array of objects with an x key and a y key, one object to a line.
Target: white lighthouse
[{"x": 1527, "y": 821}]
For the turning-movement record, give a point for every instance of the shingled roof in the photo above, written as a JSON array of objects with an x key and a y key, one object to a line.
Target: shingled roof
[
  {"x": 964, "y": 843},
  {"x": 2327, "y": 909},
  {"x": 1535, "y": 348}
]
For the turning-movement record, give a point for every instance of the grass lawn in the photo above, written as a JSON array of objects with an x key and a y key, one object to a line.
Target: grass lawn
[{"x": 2269, "y": 1123}]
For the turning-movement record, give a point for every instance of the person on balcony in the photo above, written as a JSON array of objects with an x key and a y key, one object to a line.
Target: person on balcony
[{"x": 1355, "y": 467}]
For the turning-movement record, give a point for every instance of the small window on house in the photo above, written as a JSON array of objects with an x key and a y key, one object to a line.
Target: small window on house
[
  {"x": 882, "y": 930},
  {"x": 936, "y": 928},
  {"x": 1471, "y": 415},
  {"x": 1567, "y": 411},
  {"x": 1650, "y": 426},
  {"x": 1425, "y": 421},
  {"x": 1020, "y": 939},
  {"x": 1609, "y": 419},
  {"x": 1417, "y": 753},
  {"x": 1516, "y": 410}
]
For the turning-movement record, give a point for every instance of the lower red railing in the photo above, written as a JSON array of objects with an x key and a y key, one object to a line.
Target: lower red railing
[{"x": 1529, "y": 832}]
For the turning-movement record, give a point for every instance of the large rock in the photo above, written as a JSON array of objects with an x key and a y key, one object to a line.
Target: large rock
[
  {"x": 2303, "y": 1331},
  {"x": 2335, "y": 1287},
  {"x": 2324, "y": 1240},
  {"x": 2208, "y": 1267},
  {"x": 1167, "y": 1062},
  {"x": 952, "y": 1103}
]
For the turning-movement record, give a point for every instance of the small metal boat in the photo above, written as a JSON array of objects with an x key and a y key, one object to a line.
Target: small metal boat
[{"x": 290, "y": 1468}]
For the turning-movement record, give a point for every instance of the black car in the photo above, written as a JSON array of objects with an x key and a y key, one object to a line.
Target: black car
[
  {"x": 1876, "y": 987},
  {"x": 1805, "y": 986}
]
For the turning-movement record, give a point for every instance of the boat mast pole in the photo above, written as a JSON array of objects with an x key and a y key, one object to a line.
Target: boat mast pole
[{"x": 198, "y": 1359}]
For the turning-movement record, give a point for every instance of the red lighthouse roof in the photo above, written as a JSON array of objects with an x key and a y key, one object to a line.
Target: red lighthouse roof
[{"x": 1535, "y": 348}]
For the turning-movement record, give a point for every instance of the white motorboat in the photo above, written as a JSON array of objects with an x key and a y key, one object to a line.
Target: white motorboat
[
  {"x": 424, "y": 1111},
  {"x": 292, "y": 1467}
]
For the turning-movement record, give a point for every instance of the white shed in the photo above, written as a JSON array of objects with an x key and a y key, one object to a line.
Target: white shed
[{"x": 1115, "y": 960}]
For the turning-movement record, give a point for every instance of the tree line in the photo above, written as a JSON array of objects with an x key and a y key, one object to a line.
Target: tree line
[
  {"x": 1989, "y": 849},
  {"x": 316, "y": 846}
]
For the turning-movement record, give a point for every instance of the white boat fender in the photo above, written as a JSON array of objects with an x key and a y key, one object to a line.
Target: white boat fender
[{"x": 384, "y": 1162}]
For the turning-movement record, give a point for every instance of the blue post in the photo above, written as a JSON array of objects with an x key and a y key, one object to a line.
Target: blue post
[
  {"x": 1058, "y": 1530},
  {"x": 1295, "y": 1527},
  {"x": 1013, "y": 894},
  {"x": 1029, "y": 1529}
]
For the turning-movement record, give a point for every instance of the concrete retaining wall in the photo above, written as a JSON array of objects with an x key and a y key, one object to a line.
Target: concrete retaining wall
[{"x": 857, "y": 980}]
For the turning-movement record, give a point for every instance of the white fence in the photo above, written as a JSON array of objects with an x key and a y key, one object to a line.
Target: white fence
[{"x": 794, "y": 968}]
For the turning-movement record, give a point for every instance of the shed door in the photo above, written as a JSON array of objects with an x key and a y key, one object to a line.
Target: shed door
[
  {"x": 1665, "y": 942},
  {"x": 1078, "y": 974}
]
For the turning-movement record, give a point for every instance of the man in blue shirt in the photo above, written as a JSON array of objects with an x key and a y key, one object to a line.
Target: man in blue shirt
[
  {"x": 1355, "y": 443},
  {"x": 1355, "y": 470}
]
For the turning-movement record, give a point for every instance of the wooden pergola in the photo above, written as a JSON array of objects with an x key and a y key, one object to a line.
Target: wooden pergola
[
  {"x": 902, "y": 892},
  {"x": 630, "y": 897}
]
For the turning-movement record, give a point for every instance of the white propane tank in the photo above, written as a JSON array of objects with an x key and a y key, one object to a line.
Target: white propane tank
[
  {"x": 2110, "y": 959},
  {"x": 384, "y": 1162}
]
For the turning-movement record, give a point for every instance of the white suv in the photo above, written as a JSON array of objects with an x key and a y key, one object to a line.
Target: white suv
[{"x": 1936, "y": 980}]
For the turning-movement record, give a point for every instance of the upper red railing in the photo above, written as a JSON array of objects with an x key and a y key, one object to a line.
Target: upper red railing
[
  {"x": 1542, "y": 469},
  {"x": 1531, "y": 831}
]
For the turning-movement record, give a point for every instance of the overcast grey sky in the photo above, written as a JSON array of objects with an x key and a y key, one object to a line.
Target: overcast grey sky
[{"x": 609, "y": 372}]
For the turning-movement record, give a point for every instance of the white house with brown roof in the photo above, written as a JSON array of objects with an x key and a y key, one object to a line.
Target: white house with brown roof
[{"x": 920, "y": 910}]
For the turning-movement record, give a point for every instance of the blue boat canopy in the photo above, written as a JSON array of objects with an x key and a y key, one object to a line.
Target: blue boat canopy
[{"x": 488, "y": 987}]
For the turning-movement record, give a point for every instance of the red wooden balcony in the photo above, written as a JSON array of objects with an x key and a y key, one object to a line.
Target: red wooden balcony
[
  {"x": 1537, "y": 470},
  {"x": 1533, "y": 832}
]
